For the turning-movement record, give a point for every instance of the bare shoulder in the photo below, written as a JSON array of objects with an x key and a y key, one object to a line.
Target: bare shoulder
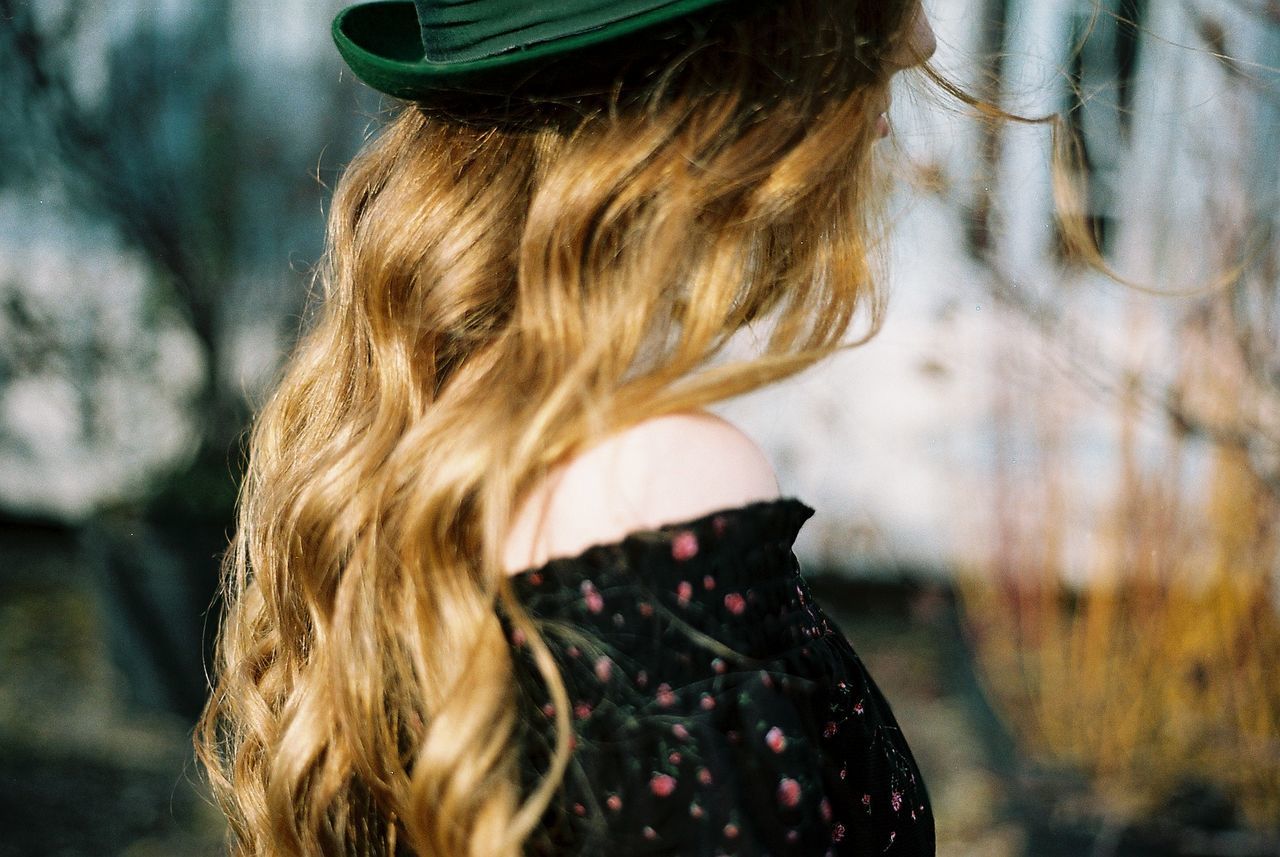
[
  {"x": 667, "y": 469},
  {"x": 678, "y": 467}
]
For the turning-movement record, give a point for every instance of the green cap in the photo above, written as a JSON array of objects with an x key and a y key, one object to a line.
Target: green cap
[{"x": 413, "y": 49}]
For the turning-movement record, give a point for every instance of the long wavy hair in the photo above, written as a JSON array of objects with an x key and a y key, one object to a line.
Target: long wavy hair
[{"x": 498, "y": 296}]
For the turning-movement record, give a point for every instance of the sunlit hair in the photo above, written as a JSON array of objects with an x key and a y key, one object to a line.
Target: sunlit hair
[{"x": 496, "y": 298}]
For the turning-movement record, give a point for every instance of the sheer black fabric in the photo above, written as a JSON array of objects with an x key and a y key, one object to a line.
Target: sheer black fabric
[{"x": 716, "y": 709}]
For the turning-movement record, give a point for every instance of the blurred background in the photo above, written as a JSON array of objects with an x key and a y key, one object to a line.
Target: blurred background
[{"x": 1048, "y": 504}]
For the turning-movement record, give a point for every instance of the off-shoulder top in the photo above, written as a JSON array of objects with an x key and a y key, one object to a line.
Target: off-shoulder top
[{"x": 716, "y": 709}]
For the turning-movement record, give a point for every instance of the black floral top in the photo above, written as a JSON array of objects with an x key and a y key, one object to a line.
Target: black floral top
[{"x": 716, "y": 710}]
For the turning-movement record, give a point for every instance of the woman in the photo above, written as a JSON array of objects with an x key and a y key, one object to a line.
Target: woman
[{"x": 500, "y": 585}]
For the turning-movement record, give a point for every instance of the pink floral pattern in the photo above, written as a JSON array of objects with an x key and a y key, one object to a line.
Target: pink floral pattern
[
  {"x": 788, "y": 792},
  {"x": 662, "y": 785},
  {"x": 663, "y": 720},
  {"x": 684, "y": 546},
  {"x": 684, "y": 592},
  {"x": 776, "y": 740},
  {"x": 591, "y": 596}
]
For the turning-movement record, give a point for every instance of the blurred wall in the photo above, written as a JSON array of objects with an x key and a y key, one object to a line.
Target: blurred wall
[{"x": 162, "y": 200}]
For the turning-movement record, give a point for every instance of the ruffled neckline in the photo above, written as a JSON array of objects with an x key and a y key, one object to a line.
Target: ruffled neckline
[{"x": 775, "y": 521}]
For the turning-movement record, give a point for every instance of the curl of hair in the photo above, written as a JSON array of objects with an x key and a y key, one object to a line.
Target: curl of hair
[{"x": 497, "y": 296}]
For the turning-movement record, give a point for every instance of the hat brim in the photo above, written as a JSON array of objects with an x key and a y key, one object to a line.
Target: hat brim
[{"x": 381, "y": 44}]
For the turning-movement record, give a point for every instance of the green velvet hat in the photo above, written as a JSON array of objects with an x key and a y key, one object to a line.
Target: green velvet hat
[{"x": 416, "y": 49}]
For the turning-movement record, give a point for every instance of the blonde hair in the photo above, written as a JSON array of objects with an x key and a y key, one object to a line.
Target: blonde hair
[{"x": 497, "y": 296}]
